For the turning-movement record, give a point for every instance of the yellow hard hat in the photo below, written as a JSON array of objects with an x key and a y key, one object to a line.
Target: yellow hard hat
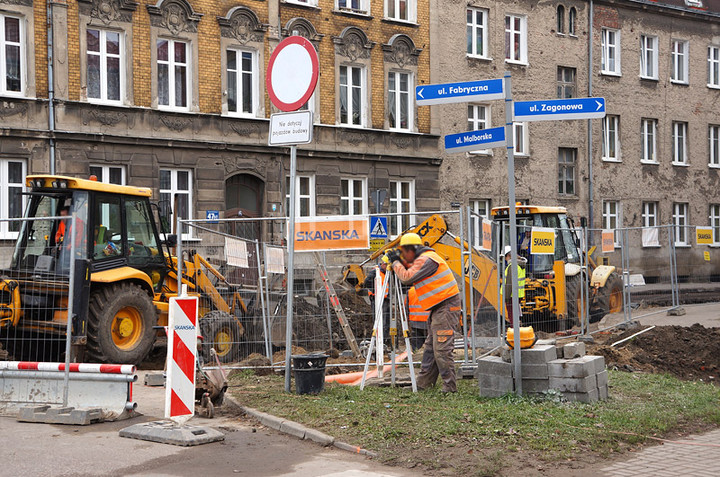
[
  {"x": 410, "y": 239},
  {"x": 385, "y": 259}
]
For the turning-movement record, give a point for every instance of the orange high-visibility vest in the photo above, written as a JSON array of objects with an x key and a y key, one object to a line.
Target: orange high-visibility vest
[
  {"x": 382, "y": 280},
  {"x": 439, "y": 286},
  {"x": 416, "y": 313}
]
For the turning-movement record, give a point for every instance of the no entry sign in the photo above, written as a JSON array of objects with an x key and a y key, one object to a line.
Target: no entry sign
[{"x": 292, "y": 73}]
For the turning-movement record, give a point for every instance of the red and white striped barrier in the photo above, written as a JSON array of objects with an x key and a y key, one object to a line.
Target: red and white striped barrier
[
  {"x": 182, "y": 353},
  {"x": 74, "y": 367}
]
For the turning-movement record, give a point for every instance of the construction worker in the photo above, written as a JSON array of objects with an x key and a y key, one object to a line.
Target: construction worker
[
  {"x": 369, "y": 285},
  {"x": 417, "y": 318},
  {"x": 437, "y": 291},
  {"x": 506, "y": 289}
]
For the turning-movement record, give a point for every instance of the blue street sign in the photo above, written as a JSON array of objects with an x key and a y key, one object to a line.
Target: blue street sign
[
  {"x": 459, "y": 92},
  {"x": 378, "y": 227},
  {"x": 475, "y": 140},
  {"x": 559, "y": 109},
  {"x": 212, "y": 216}
]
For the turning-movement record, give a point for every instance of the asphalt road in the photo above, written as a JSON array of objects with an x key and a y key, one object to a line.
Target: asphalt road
[{"x": 706, "y": 314}]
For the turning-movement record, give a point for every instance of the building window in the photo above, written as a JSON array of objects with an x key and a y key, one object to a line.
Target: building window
[
  {"x": 478, "y": 118},
  {"x": 352, "y": 95},
  {"x": 312, "y": 3},
  {"x": 12, "y": 200},
  {"x": 650, "y": 214},
  {"x": 104, "y": 65},
  {"x": 715, "y": 222},
  {"x": 611, "y": 138},
  {"x": 648, "y": 130},
  {"x": 108, "y": 174},
  {"x": 714, "y": 139},
  {"x": 648, "y": 57},
  {"x": 612, "y": 218},
  {"x": 679, "y": 73},
  {"x": 572, "y": 21},
  {"x": 481, "y": 210},
  {"x": 679, "y": 142},
  {"x": 11, "y": 53},
  {"x": 242, "y": 88},
  {"x": 566, "y": 82},
  {"x": 353, "y": 197},
  {"x": 521, "y": 138},
  {"x": 399, "y": 100},
  {"x": 477, "y": 32},
  {"x": 357, "y": 6},
  {"x": 610, "y": 43},
  {"x": 561, "y": 19},
  {"x": 515, "y": 39},
  {"x": 680, "y": 221},
  {"x": 173, "y": 75},
  {"x": 402, "y": 10},
  {"x": 176, "y": 188},
  {"x": 304, "y": 196},
  {"x": 714, "y": 66},
  {"x": 402, "y": 200},
  {"x": 567, "y": 159}
]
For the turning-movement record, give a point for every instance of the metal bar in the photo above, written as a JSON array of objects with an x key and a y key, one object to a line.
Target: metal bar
[
  {"x": 470, "y": 279},
  {"x": 268, "y": 334},
  {"x": 49, "y": 375},
  {"x": 291, "y": 266},
  {"x": 178, "y": 252},
  {"x": 463, "y": 304},
  {"x": 327, "y": 307},
  {"x": 71, "y": 307},
  {"x": 268, "y": 351},
  {"x": 257, "y": 219}
]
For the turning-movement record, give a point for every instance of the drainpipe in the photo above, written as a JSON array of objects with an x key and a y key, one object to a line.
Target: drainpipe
[
  {"x": 591, "y": 199},
  {"x": 51, "y": 87}
]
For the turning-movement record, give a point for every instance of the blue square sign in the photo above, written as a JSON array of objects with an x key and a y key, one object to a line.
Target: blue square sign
[
  {"x": 378, "y": 227},
  {"x": 212, "y": 216}
]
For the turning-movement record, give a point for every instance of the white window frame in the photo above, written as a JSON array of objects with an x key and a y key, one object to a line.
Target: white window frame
[
  {"x": 714, "y": 145},
  {"x": 3, "y": 62},
  {"x": 679, "y": 143},
  {"x": 310, "y": 3},
  {"x": 411, "y": 11},
  {"x": 608, "y": 217},
  {"x": 472, "y": 29},
  {"x": 713, "y": 66},
  {"x": 173, "y": 190},
  {"x": 475, "y": 122},
  {"x": 572, "y": 21},
  {"x": 648, "y": 140},
  {"x": 402, "y": 205},
  {"x": 5, "y": 232},
  {"x": 171, "y": 74},
  {"x": 680, "y": 224},
  {"x": 714, "y": 217},
  {"x": 363, "y": 6},
  {"x": 564, "y": 166},
  {"x": 476, "y": 205},
  {"x": 679, "y": 64},
  {"x": 510, "y": 33},
  {"x": 350, "y": 197},
  {"x": 607, "y": 48},
  {"x": 105, "y": 173},
  {"x": 522, "y": 140},
  {"x": 649, "y": 56},
  {"x": 239, "y": 72},
  {"x": 397, "y": 102},
  {"x": 348, "y": 99},
  {"x": 650, "y": 213},
  {"x": 311, "y": 195},
  {"x": 104, "y": 55},
  {"x": 611, "y": 122}
]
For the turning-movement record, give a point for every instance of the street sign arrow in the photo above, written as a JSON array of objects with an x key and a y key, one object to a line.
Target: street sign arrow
[
  {"x": 475, "y": 140},
  {"x": 559, "y": 109},
  {"x": 487, "y": 90}
]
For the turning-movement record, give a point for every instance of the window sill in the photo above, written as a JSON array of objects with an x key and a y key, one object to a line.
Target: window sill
[
  {"x": 516, "y": 62},
  {"x": 560, "y": 34},
  {"x": 170, "y": 109},
  {"x": 714, "y": 166},
  {"x": 714, "y": 245},
  {"x": 241, "y": 116},
  {"x": 679, "y": 83},
  {"x": 612, "y": 160},
  {"x": 300, "y": 4},
  {"x": 649, "y": 78},
  {"x": 610, "y": 73},
  {"x": 15, "y": 95},
  {"x": 649, "y": 163},
  {"x": 9, "y": 236},
  {"x": 101, "y": 102},
  {"x": 351, "y": 126},
  {"x": 354, "y": 13},
  {"x": 481, "y": 152},
  {"x": 398, "y": 21},
  {"x": 680, "y": 164},
  {"x": 398, "y": 130},
  {"x": 478, "y": 57},
  {"x": 683, "y": 245},
  {"x": 713, "y": 86},
  {"x": 652, "y": 246},
  {"x": 572, "y": 35}
]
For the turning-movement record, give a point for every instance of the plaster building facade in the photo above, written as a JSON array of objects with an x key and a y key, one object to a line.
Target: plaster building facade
[
  {"x": 171, "y": 95},
  {"x": 653, "y": 160}
]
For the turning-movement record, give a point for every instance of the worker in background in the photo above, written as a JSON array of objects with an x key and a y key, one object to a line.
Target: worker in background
[
  {"x": 438, "y": 293},
  {"x": 506, "y": 289},
  {"x": 369, "y": 285},
  {"x": 418, "y": 320},
  {"x": 60, "y": 233}
]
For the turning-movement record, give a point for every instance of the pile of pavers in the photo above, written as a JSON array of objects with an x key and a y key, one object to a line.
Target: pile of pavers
[{"x": 546, "y": 366}]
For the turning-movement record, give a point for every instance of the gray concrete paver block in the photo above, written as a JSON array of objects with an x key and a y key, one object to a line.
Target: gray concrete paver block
[
  {"x": 294, "y": 429},
  {"x": 574, "y": 350}
]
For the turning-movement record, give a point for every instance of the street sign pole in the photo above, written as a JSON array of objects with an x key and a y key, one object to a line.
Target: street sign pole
[
  {"x": 291, "y": 268},
  {"x": 509, "y": 108}
]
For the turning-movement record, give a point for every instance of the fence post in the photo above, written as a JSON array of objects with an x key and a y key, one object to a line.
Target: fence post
[
  {"x": 327, "y": 307},
  {"x": 262, "y": 278},
  {"x": 625, "y": 271},
  {"x": 70, "y": 310},
  {"x": 268, "y": 334},
  {"x": 626, "y": 276},
  {"x": 462, "y": 284},
  {"x": 470, "y": 278},
  {"x": 178, "y": 232}
]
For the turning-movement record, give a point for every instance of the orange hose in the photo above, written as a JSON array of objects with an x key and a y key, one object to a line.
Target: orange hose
[{"x": 355, "y": 378}]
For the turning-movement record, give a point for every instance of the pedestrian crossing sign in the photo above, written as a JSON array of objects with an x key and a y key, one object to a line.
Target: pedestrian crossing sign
[{"x": 378, "y": 227}]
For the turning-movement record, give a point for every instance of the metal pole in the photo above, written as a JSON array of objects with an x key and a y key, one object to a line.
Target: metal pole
[
  {"x": 501, "y": 273},
  {"x": 626, "y": 274},
  {"x": 70, "y": 310},
  {"x": 262, "y": 278},
  {"x": 470, "y": 278},
  {"x": 327, "y": 308},
  {"x": 178, "y": 232},
  {"x": 462, "y": 284},
  {"x": 513, "y": 229},
  {"x": 268, "y": 333},
  {"x": 291, "y": 264},
  {"x": 591, "y": 198},
  {"x": 586, "y": 268},
  {"x": 51, "y": 84}
]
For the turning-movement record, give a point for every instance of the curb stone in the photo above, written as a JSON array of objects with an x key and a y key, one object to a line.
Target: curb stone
[{"x": 295, "y": 429}]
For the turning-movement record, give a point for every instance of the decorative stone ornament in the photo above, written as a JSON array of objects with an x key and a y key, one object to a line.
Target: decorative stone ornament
[
  {"x": 401, "y": 50},
  {"x": 176, "y": 16},
  {"x": 108, "y": 11},
  {"x": 353, "y": 44},
  {"x": 242, "y": 24}
]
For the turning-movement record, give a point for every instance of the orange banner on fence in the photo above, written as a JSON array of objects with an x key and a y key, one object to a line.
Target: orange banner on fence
[
  {"x": 486, "y": 235},
  {"x": 331, "y": 233},
  {"x": 608, "y": 241}
]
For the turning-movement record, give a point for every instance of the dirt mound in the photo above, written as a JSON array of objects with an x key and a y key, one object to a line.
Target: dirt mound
[
  {"x": 256, "y": 359},
  {"x": 690, "y": 353}
]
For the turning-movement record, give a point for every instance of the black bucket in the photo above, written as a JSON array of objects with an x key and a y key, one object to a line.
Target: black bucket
[{"x": 309, "y": 373}]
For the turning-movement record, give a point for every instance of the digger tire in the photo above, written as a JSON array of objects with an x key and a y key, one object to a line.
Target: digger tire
[
  {"x": 222, "y": 332},
  {"x": 610, "y": 297},
  {"x": 573, "y": 290},
  {"x": 120, "y": 324}
]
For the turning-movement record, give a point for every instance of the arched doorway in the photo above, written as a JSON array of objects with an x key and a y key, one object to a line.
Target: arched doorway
[{"x": 244, "y": 198}]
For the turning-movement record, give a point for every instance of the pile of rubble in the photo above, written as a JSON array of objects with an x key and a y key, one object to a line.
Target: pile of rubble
[{"x": 545, "y": 366}]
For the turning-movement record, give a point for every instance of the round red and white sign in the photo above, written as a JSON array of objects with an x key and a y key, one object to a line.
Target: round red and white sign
[{"x": 292, "y": 73}]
